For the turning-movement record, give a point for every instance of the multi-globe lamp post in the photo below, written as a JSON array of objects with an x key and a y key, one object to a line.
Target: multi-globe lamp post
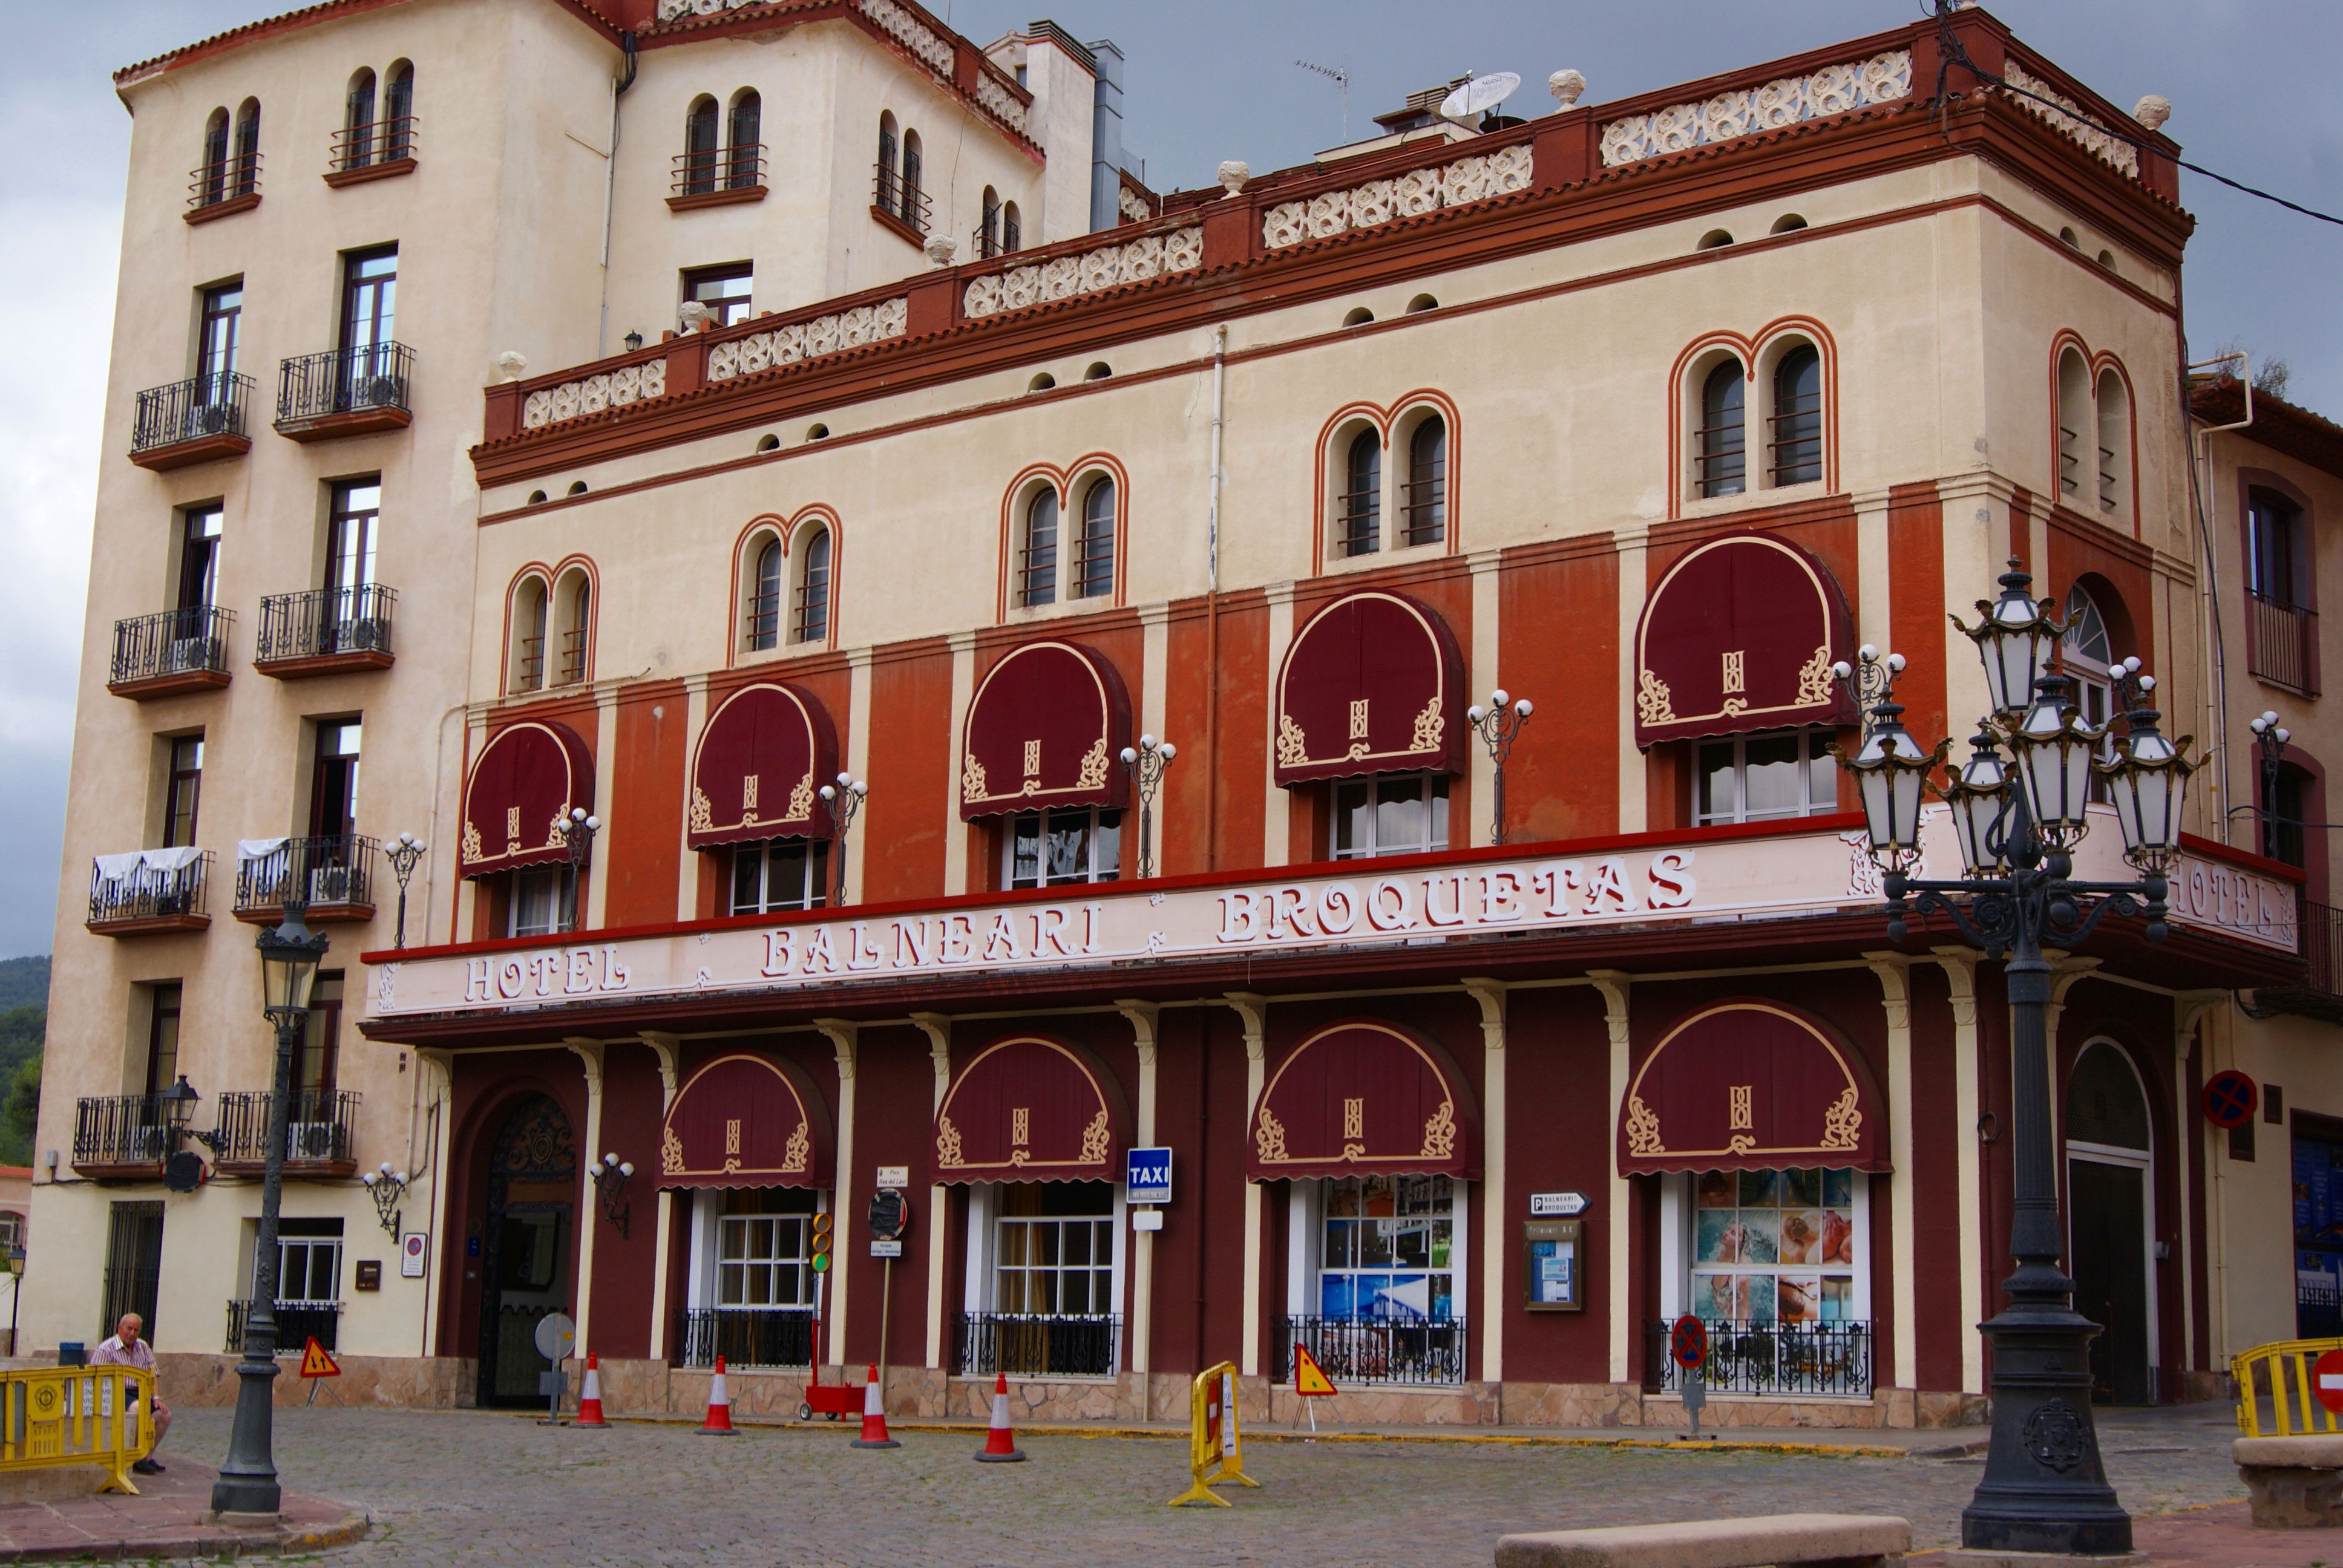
[{"x": 2017, "y": 820}]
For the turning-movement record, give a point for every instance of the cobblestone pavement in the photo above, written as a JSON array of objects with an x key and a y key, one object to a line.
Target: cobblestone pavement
[{"x": 463, "y": 1488}]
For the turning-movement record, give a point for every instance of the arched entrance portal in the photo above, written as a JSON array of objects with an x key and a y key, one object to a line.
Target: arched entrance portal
[
  {"x": 525, "y": 1250},
  {"x": 2108, "y": 1157}
]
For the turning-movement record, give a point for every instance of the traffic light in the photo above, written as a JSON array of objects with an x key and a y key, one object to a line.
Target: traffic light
[{"x": 819, "y": 1248}]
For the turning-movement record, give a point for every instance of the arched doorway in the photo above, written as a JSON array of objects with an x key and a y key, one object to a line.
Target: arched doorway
[
  {"x": 2108, "y": 1157},
  {"x": 525, "y": 1248}
]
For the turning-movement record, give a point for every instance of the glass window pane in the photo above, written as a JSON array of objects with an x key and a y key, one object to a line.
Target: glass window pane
[
  {"x": 1776, "y": 785},
  {"x": 1025, "y": 852},
  {"x": 1354, "y": 830},
  {"x": 1822, "y": 774},
  {"x": 1068, "y": 846},
  {"x": 1716, "y": 798},
  {"x": 1400, "y": 816}
]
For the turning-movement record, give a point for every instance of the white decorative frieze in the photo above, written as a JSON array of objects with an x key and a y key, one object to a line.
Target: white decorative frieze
[
  {"x": 670, "y": 10},
  {"x": 1063, "y": 277},
  {"x": 1833, "y": 90},
  {"x": 1132, "y": 205},
  {"x": 808, "y": 340},
  {"x": 1001, "y": 102},
  {"x": 926, "y": 44},
  {"x": 593, "y": 394},
  {"x": 2072, "y": 123},
  {"x": 1409, "y": 195}
]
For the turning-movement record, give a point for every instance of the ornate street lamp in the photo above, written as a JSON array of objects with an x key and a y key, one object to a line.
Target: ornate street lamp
[
  {"x": 578, "y": 830},
  {"x": 2270, "y": 744},
  {"x": 289, "y": 954},
  {"x": 403, "y": 855},
  {"x": 2045, "y": 1488},
  {"x": 386, "y": 1186},
  {"x": 1145, "y": 764},
  {"x": 1498, "y": 725},
  {"x": 845, "y": 797}
]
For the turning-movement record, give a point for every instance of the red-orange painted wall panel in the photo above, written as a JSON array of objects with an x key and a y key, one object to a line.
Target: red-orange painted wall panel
[
  {"x": 641, "y": 852},
  {"x": 1561, "y": 649},
  {"x": 1915, "y": 615},
  {"x": 912, "y": 750}
]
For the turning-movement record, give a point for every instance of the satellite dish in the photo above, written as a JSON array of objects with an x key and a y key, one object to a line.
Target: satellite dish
[{"x": 1479, "y": 95}]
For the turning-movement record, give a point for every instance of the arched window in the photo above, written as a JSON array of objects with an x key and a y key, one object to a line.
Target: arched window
[
  {"x": 2087, "y": 655},
  {"x": 764, "y": 618},
  {"x": 247, "y": 175},
  {"x": 1362, "y": 494},
  {"x": 2103, "y": 1102},
  {"x": 399, "y": 113},
  {"x": 2115, "y": 445},
  {"x": 811, "y": 621},
  {"x": 2075, "y": 426},
  {"x": 529, "y": 628},
  {"x": 573, "y": 616},
  {"x": 1013, "y": 230},
  {"x": 744, "y": 141},
  {"x": 988, "y": 230},
  {"x": 217, "y": 176},
  {"x": 1037, "y": 560},
  {"x": 912, "y": 210},
  {"x": 357, "y": 123},
  {"x": 1796, "y": 446},
  {"x": 700, "y": 152},
  {"x": 886, "y": 193},
  {"x": 1721, "y": 442},
  {"x": 2293, "y": 793},
  {"x": 1425, "y": 519},
  {"x": 1094, "y": 547}
]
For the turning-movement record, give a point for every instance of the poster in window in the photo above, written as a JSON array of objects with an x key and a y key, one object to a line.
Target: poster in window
[{"x": 1553, "y": 1282}]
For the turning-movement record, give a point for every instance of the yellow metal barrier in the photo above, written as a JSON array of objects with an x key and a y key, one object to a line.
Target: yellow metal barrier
[
  {"x": 1215, "y": 1448},
  {"x": 76, "y": 1415},
  {"x": 2285, "y": 1369}
]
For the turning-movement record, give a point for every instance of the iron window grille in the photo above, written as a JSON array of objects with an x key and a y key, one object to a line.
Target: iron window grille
[
  {"x": 1363, "y": 495},
  {"x": 385, "y": 141},
  {"x": 897, "y": 193},
  {"x": 1423, "y": 518},
  {"x": 704, "y": 170},
  {"x": 1420, "y": 1353},
  {"x": 1036, "y": 1344},
  {"x": 1721, "y": 442},
  {"x": 223, "y": 179},
  {"x": 1752, "y": 1357},
  {"x": 297, "y": 1324}
]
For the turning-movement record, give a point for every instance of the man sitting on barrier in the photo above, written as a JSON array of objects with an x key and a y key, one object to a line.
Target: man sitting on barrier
[{"x": 128, "y": 1349}]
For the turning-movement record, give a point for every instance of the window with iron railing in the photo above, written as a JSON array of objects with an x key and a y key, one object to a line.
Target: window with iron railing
[
  {"x": 1793, "y": 447},
  {"x": 1362, "y": 504},
  {"x": 1424, "y": 502},
  {"x": 897, "y": 193},
  {"x": 1720, "y": 441}
]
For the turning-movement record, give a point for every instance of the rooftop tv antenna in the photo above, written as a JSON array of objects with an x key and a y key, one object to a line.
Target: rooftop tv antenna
[
  {"x": 1479, "y": 96},
  {"x": 1341, "y": 79}
]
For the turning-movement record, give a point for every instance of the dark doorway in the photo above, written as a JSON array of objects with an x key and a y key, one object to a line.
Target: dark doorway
[
  {"x": 2317, "y": 1235},
  {"x": 134, "y": 1261},
  {"x": 525, "y": 1248},
  {"x": 2111, "y": 1276}
]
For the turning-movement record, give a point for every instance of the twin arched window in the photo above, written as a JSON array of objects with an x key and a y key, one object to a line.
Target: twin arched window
[
  {"x": 550, "y": 636},
  {"x": 366, "y": 138},
  {"x": 1792, "y": 447},
  {"x": 231, "y": 166},
  {"x": 895, "y": 186},
  {"x": 723, "y": 151},
  {"x": 1091, "y": 573},
  {"x": 2094, "y": 436},
  {"x": 1423, "y": 494},
  {"x": 789, "y": 598},
  {"x": 1001, "y": 231}
]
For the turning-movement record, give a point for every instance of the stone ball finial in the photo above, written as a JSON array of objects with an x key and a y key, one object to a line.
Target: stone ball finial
[
  {"x": 940, "y": 249},
  {"x": 2152, "y": 111},
  {"x": 1566, "y": 87},
  {"x": 510, "y": 364},
  {"x": 694, "y": 313},
  {"x": 1234, "y": 174}
]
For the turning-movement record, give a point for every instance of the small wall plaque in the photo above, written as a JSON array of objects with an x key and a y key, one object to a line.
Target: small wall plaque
[
  {"x": 1552, "y": 1278},
  {"x": 369, "y": 1274}
]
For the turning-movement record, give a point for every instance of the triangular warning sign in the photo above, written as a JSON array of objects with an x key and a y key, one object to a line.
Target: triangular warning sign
[
  {"x": 315, "y": 1363},
  {"x": 1310, "y": 1381}
]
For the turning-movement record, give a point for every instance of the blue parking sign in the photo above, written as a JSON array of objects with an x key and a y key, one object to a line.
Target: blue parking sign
[{"x": 1148, "y": 1179}]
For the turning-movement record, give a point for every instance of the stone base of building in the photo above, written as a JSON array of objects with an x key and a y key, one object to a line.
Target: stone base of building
[{"x": 414, "y": 1382}]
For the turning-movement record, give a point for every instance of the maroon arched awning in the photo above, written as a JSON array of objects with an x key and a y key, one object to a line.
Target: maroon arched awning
[
  {"x": 1046, "y": 728},
  {"x": 1364, "y": 1098},
  {"x": 1031, "y": 1110},
  {"x": 762, "y": 760},
  {"x": 1740, "y": 634},
  {"x": 1373, "y": 684},
  {"x": 1751, "y": 1086},
  {"x": 528, "y": 776},
  {"x": 746, "y": 1120}
]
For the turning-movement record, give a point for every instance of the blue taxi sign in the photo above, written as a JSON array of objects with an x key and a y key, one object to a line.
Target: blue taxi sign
[{"x": 1148, "y": 1176}]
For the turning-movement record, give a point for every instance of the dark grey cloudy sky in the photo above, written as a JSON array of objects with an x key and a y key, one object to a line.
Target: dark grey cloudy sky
[{"x": 2253, "y": 84}]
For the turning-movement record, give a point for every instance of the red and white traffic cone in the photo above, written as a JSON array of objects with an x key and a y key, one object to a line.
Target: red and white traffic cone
[
  {"x": 874, "y": 1416},
  {"x": 720, "y": 1406},
  {"x": 590, "y": 1398},
  {"x": 999, "y": 1442}
]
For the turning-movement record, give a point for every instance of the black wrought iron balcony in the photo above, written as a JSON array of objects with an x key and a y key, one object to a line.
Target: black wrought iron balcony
[
  {"x": 375, "y": 151},
  {"x": 175, "y": 651},
  {"x": 219, "y": 189},
  {"x": 334, "y": 875},
  {"x": 142, "y": 892},
  {"x": 748, "y": 1337},
  {"x": 121, "y": 1136},
  {"x": 297, "y": 1322},
  {"x": 900, "y": 201},
  {"x": 198, "y": 420},
  {"x": 324, "y": 631},
  {"x": 346, "y": 392},
  {"x": 321, "y": 1129},
  {"x": 1421, "y": 1352},
  {"x": 714, "y": 176},
  {"x": 1036, "y": 1345},
  {"x": 1768, "y": 1357}
]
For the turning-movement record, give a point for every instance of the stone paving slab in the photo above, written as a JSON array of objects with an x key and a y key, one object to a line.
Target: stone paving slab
[{"x": 165, "y": 1519}]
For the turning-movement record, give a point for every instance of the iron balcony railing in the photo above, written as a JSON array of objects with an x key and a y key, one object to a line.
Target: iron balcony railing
[
  {"x": 2285, "y": 639},
  {"x": 121, "y": 1130},
  {"x": 2322, "y": 947},
  {"x": 718, "y": 169},
  {"x": 748, "y": 1337},
  {"x": 1423, "y": 1353},
  {"x": 209, "y": 185},
  {"x": 328, "y": 871},
  {"x": 297, "y": 1324},
  {"x": 1744, "y": 1357},
  {"x": 147, "y": 891},
  {"x": 188, "y": 641},
  {"x": 891, "y": 194},
  {"x": 191, "y": 410},
  {"x": 324, "y": 621},
  {"x": 379, "y": 142},
  {"x": 1034, "y": 1345},
  {"x": 372, "y": 376},
  {"x": 320, "y": 1127}
]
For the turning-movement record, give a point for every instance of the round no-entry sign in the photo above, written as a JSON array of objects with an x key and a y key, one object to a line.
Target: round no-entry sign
[
  {"x": 2326, "y": 1380},
  {"x": 2228, "y": 1098},
  {"x": 1688, "y": 1341}
]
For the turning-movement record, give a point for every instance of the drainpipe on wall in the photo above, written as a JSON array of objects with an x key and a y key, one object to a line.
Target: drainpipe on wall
[{"x": 619, "y": 85}]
